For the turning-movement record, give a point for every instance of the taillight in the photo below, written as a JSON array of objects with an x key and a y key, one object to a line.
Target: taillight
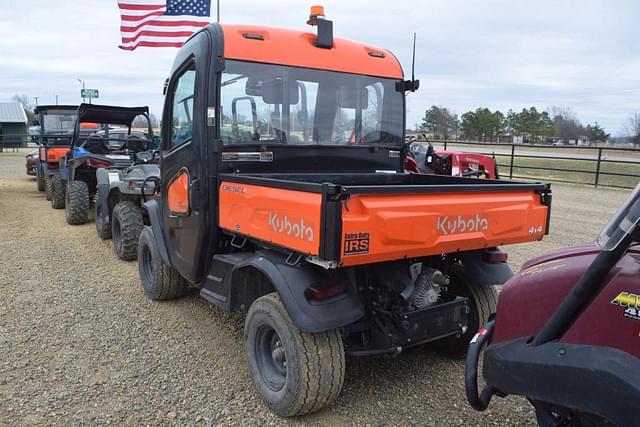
[
  {"x": 494, "y": 256},
  {"x": 318, "y": 293},
  {"x": 97, "y": 163}
]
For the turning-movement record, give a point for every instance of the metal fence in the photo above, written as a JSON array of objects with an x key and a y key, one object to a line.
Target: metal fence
[
  {"x": 598, "y": 166},
  {"x": 13, "y": 142}
]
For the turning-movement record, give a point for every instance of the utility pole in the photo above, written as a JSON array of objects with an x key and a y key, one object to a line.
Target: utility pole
[
  {"x": 83, "y": 98},
  {"x": 36, "y": 98},
  {"x": 56, "y": 99}
]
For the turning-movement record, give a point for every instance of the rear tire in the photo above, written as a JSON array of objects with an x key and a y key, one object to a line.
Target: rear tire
[
  {"x": 77, "y": 202},
  {"x": 127, "y": 223},
  {"x": 57, "y": 192},
  {"x": 39, "y": 178},
  {"x": 159, "y": 281},
  {"x": 48, "y": 187},
  {"x": 103, "y": 223},
  {"x": 482, "y": 303},
  {"x": 294, "y": 372}
]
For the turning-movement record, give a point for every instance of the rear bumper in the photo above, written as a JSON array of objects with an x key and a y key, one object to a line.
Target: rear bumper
[{"x": 601, "y": 381}]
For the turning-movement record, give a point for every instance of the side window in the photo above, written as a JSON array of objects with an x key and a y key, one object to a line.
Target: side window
[{"x": 182, "y": 107}]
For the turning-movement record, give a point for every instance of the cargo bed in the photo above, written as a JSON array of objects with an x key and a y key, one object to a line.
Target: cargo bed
[{"x": 353, "y": 219}]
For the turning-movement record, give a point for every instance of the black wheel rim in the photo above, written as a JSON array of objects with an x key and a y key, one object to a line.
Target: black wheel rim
[
  {"x": 147, "y": 264},
  {"x": 271, "y": 357}
]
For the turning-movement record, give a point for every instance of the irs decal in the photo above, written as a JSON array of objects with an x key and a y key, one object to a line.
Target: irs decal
[{"x": 356, "y": 243}]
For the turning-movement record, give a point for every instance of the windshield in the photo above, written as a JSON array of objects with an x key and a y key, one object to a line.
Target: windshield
[
  {"x": 264, "y": 103},
  {"x": 55, "y": 123},
  {"x": 622, "y": 223}
]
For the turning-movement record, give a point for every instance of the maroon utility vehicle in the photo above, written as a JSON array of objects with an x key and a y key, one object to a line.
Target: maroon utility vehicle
[{"x": 566, "y": 333}]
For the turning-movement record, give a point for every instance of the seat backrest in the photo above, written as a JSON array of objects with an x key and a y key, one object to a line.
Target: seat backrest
[
  {"x": 135, "y": 144},
  {"x": 95, "y": 145}
]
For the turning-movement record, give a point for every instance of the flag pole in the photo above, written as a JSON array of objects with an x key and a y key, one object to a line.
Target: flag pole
[{"x": 218, "y": 10}]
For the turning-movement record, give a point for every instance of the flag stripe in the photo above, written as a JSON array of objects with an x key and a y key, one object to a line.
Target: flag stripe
[
  {"x": 142, "y": 17},
  {"x": 152, "y": 44},
  {"x": 159, "y": 23},
  {"x": 126, "y": 6},
  {"x": 158, "y": 34}
]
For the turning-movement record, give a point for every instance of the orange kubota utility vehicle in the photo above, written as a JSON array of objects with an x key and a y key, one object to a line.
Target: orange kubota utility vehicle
[
  {"x": 283, "y": 192},
  {"x": 54, "y": 139}
]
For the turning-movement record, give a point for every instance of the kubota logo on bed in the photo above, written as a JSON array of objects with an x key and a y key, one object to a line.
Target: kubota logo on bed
[
  {"x": 291, "y": 227},
  {"x": 461, "y": 224}
]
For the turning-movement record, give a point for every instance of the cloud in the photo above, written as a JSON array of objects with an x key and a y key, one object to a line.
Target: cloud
[{"x": 496, "y": 53}]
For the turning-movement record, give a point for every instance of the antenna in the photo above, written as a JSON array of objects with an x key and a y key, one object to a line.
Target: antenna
[
  {"x": 413, "y": 84},
  {"x": 413, "y": 60}
]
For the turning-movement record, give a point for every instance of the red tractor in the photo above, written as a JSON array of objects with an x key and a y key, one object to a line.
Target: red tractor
[
  {"x": 424, "y": 159},
  {"x": 566, "y": 333}
]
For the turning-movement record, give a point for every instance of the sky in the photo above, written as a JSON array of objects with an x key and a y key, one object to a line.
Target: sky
[{"x": 501, "y": 54}]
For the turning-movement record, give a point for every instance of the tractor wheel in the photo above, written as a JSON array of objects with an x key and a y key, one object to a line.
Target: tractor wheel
[
  {"x": 103, "y": 224},
  {"x": 48, "y": 187},
  {"x": 482, "y": 303},
  {"x": 77, "y": 202},
  {"x": 39, "y": 178},
  {"x": 127, "y": 223},
  {"x": 160, "y": 281},
  {"x": 294, "y": 372},
  {"x": 57, "y": 192}
]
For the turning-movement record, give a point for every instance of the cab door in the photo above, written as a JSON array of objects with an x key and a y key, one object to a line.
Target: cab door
[{"x": 183, "y": 164}]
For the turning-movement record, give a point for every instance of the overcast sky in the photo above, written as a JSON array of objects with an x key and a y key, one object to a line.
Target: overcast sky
[{"x": 501, "y": 54}]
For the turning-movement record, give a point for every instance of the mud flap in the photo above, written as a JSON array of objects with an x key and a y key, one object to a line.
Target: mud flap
[
  {"x": 485, "y": 273},
  {"x": 292, "y": 282},
  {"x": 153, "y": 210}
]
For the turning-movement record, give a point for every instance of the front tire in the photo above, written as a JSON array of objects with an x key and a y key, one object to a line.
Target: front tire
[
  {"x": 39, "y": 178},
  {"x": 48, "y": 187},
  {"x": 57, "y": 192},
  {"x": 126, "y": 225},
  {"x": 77, "y": 202},
  {"x": 483, "y": 300},
  {"x": 294, "y": 372},
  {"x": 103, "y": 224},
  {"x": 160, "y": 281}
]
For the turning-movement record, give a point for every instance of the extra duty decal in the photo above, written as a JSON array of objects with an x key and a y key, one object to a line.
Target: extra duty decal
[
  {"x": 356, "y": 243},
  {"x": 631, "y": 304}
]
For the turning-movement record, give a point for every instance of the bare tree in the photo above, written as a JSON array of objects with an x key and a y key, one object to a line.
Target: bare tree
[
  {"x": 633, "y": 128},
  {"x": 26, "y": 104}
]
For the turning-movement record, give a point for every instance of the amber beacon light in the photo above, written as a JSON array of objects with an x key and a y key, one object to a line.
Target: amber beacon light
[{"x": 316, "y": 11}]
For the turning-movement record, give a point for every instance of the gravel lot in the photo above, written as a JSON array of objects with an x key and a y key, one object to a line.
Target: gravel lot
[{"x": 81, "y": 344}]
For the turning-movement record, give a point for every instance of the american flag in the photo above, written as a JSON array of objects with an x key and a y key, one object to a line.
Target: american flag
[{"x": 161, "y": 24}]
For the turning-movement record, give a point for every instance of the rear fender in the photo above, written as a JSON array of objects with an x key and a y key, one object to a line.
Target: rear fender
[
  {"x": 155, "y": 218},
  {"x": 485, "y": 273},
  {"x": 291, "y": 283}
]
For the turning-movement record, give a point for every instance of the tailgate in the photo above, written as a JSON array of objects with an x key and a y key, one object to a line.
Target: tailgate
[
  {"x": 383, "y": 227},
  {"x": 282, "y": 217}
]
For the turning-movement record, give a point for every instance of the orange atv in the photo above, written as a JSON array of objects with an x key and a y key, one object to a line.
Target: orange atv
[
  {"x": 56, "y": 129},
  {"x": 266, "y": 204}
]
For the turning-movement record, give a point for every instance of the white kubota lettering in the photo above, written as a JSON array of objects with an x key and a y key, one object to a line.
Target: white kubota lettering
[
  {"x": 295, "y": 228},
  {"x": 461, "y": 224}
]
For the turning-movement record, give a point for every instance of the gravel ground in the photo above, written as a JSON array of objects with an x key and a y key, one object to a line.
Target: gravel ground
[{"x": 81, "y": 344}]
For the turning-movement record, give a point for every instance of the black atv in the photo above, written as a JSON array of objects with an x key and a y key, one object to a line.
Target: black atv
[
  {"x": 113, "y": 145},
  {"x": 119, "y": 210}
]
